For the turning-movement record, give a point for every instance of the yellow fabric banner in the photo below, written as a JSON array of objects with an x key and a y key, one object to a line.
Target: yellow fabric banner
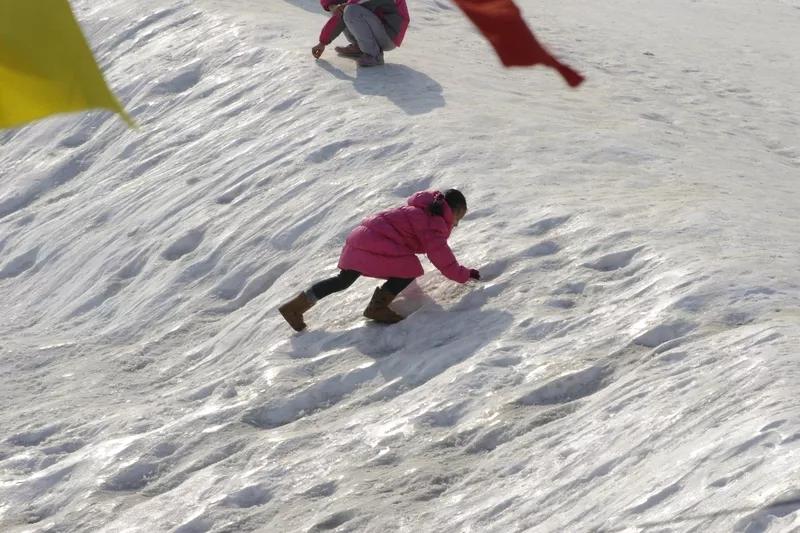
[{"x": 46, "y": 66}]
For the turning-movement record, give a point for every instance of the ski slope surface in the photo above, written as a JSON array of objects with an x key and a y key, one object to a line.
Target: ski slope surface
[{"x": 629, "y": 361}]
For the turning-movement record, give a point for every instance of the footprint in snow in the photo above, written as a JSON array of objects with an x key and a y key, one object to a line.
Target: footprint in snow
[
  {"x": 571, "y": 288},
  {"x": 180, "y": 81},
  {"x": 613, "y": 261},
  {"x": 569, "y": 387},
  {"x": 20, "y": 264},
  {"x": 246, "y": 289},
  {"x": 137, "y": 29},
  {"x": 232, "y": 193},
  {"x": 328, "y": 151},
  {"x": 76, "y": 139},
  {"x": 164, "y": 449},
  {"x": 132, "y": 477},
  {"x": 664, "y": 333},
  {"x": 773, "y": 425},
  {"x": 320, "y": 396},
  {"x": 288, "y": 103},
  {"x": 545, "y": 225},
  {"x": 34, "y": 437},
  {"x": 251, "y": 496},
  {"x": 381, "y": 153},
  {"x": 24, "y": 221},
  {"x": 200, "y": 524},
  {"x": 45, "y": 182},
  {"x": 539, "y": 330},
  {"x": 185, "y": 244},
  {"x": 133, "y": 268},
  {"x": 542, "y": 249},
  {"x": 321, "y": 490},
  {"x": 763, "y": 519},
  {"x": 738, "y": 474},
  {"x": 561, "y": 303},
  {"x": 333, "y": 521},
  {"x": 657, "y": 498},
  {"x": 446, "y": 416}
]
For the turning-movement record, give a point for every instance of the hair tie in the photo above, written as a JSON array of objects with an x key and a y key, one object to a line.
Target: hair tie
[{"x": 437, "y": 207}]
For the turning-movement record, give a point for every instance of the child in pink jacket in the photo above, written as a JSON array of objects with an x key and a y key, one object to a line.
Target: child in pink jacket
[{"x": 385, "y": 246}]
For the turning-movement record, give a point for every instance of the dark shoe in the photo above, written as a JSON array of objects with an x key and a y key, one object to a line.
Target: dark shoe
[
  {"x": 293, "y": 311},
  {"x": 351, "y": 50},
  {"x": 378, "y": 308},
  {"x": 366, "y": 60}
]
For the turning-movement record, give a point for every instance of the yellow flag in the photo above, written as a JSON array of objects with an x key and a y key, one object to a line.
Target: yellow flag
[{"x": 46, "y": 66}]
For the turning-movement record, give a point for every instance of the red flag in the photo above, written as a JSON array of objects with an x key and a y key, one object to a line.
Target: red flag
[{"x": 501, "y": 22}]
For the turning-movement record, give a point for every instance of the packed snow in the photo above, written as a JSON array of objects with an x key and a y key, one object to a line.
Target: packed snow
[{"x": 628, "y": 363}]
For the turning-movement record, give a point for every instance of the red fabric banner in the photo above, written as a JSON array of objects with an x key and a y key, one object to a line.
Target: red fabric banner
[{"x": 500, "y": 21}]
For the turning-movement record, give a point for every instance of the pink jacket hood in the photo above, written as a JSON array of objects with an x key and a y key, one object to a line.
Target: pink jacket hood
[{"x": 424, "y": 199}]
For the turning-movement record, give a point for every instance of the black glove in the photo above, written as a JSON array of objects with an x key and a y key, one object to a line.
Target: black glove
[{"x": 474, "y": 274}]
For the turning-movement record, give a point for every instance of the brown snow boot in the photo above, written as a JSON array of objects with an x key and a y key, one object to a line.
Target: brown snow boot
[
  {"x": 351, "y": 50},
  {"x": 378, "y": 308},
  {"x": 293, "y": 311}
]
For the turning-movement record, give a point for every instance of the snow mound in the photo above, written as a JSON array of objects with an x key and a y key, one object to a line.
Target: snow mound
[{"x": 627, "y": 363}]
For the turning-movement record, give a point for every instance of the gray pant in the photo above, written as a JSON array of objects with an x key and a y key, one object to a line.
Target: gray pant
[{"x": 364, "y": 28}]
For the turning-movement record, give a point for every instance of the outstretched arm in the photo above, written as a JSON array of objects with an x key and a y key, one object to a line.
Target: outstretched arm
[
  {"x": 442, "y": 257},
  {"x": 330, "y": 30}
]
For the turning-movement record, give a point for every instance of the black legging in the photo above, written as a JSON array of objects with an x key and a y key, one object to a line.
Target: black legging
[{"x": 345, "y": 278}]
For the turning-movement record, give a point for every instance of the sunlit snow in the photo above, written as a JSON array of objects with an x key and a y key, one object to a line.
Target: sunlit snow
[{"x": 628, "y": 363}]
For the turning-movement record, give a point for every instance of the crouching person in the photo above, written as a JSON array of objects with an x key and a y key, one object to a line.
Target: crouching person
[
  {"x": 372, "y": 27},
  {"x": 384, "y": 246}
]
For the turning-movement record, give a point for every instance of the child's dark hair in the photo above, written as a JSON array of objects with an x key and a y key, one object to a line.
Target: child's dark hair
[{"x": 454, "y": 199}]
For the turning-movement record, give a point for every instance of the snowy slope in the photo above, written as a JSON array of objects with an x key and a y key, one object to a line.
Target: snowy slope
[{"x": 629, "y": 362}]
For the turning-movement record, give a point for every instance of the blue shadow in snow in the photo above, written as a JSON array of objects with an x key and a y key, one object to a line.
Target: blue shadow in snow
[
  {"x": 412, "y": 91},
  {"x": 423, "y": 345},
  {"x": 309, "y": 5}
]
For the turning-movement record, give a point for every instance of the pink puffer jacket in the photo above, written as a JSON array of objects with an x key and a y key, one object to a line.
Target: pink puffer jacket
[{"x": 385, "y": 245}]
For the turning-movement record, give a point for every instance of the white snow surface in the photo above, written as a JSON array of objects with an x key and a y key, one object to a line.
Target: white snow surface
[{"x": 628, "y": 363}]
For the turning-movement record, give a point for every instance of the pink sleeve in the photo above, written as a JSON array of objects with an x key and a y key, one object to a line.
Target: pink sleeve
[
  {"x": 331, "y": 29},
  {"x": 421, "y": 199},
  {"x": 442, "y": 258},
  {"x": 403, "y": 9}
]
